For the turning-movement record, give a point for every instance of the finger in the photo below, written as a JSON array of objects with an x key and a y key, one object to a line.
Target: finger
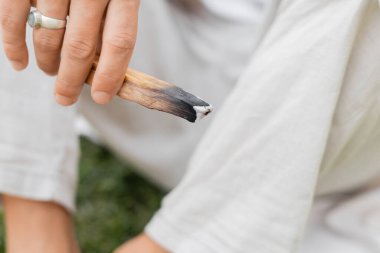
[
  {"x": 48, "y": 43},
  {"x": 79, "y": 48},
  {"x": 13, "y": 15},
  {"x": 118, "y": 43}
]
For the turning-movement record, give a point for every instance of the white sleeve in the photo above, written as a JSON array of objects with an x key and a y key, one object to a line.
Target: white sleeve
[{"x": 251, "y": 182}]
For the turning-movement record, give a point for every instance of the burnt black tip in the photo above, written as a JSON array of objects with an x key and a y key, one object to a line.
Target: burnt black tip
[{"x": 183, "y": 103}]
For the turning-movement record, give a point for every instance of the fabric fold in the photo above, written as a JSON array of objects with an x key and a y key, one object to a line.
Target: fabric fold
[{"x": 251, "y": 182}]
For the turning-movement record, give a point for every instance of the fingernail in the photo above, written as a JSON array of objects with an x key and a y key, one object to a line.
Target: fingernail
[
  {"x": 64, "y": 100},
  {"x": 101, "y": 97},
  {"x": 17, "y": 65}
]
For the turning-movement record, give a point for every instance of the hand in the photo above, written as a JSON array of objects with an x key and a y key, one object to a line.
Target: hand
[
  {"x": 70, "y": 52},
  {"x": 141, "y": 244}
]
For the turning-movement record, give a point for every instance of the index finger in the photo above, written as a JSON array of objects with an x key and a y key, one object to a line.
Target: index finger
[
  {"x": 13, "y": 15},
  {"x": 119, "y": 38},
  {"x": 79, "y": 48}
]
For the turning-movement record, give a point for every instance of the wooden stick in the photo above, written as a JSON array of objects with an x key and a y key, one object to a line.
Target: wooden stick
[{"x": 159, "y": 95}]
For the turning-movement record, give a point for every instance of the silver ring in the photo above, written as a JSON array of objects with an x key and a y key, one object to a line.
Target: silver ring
[{"x": 37, "y": 20}]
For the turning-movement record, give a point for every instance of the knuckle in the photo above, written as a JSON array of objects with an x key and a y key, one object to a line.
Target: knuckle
[
  {"x": 50, "y": 69},
  {"x": 14, "y": 51},
  {"x": 121, "y": 42},
  {"x": 47, "y": 43},
  {"x": 8, "y": 23},
  {"x": 67, "y": 89},
  {"x": 80, "y": 50},
  {"x": 108, "y": 82}
]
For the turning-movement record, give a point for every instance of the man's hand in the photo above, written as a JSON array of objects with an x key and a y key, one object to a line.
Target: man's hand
[
  {"x": 141, "y": 244},
  {"x": 70, "y": 52}
]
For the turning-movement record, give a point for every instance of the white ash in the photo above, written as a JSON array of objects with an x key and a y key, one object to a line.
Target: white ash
[{"x": 202, "y": 111}]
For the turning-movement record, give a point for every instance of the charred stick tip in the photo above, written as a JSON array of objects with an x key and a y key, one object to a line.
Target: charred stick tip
[
  {"x": 156, "y": 94},
  {"x": 202, "y": 111}
]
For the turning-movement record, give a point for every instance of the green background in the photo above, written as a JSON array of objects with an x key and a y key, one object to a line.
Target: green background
[{"x": 114, "y": 203}]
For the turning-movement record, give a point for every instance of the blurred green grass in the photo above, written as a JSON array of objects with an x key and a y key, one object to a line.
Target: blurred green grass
[{"x": 114, "y": 203}]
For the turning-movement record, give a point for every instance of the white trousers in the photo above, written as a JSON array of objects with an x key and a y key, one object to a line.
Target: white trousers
[
  {"x": 301, "y": 122},
  {"x": 192, "y": 48}
]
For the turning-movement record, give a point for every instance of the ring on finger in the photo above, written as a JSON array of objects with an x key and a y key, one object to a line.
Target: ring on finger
[{"x": 37, "y": 20}]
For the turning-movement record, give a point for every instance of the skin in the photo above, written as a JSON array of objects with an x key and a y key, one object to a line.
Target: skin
[
  {"x": 69, "y": 52},
  {"x": 39, "y": 227},
  {"x": 141, "y": 244},
  {"x": 45, "y": 227}
]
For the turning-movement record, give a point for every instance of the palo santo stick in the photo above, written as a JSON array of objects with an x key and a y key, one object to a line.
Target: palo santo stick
[{"x": 159, "y": 95}]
